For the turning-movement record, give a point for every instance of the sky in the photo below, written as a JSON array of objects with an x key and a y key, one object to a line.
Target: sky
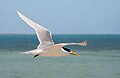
[{"x": 61, "y": 16}]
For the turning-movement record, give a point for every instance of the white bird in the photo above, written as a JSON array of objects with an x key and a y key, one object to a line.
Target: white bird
[{"x": 47, "y": 47}]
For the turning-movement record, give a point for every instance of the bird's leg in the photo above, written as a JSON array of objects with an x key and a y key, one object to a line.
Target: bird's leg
[{"x": 36, "y": 55}]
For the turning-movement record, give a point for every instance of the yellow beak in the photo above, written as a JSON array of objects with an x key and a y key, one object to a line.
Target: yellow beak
[{"x": 74, "y": 53}]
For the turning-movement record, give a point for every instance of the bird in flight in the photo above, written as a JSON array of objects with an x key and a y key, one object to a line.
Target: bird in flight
[{"x": 46, "y": 45}]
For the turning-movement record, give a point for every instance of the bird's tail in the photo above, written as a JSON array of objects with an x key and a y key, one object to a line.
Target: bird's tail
[{"x": 31, "y": 52}]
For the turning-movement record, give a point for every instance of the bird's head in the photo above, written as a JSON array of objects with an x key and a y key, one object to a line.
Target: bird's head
[{"x": 70, "y": 52}]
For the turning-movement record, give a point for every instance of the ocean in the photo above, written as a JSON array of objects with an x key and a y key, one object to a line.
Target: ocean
[{"x": 100, "y": 59}]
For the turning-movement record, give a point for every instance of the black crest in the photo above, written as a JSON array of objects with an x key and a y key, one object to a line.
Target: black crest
[{"x": 66, "y": 49}]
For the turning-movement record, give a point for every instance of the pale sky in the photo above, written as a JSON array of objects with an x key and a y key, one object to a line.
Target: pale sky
[{"x": 61, "y": 16}]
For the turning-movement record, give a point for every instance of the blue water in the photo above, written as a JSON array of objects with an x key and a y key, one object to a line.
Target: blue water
[{"x": 100, "y": 59}]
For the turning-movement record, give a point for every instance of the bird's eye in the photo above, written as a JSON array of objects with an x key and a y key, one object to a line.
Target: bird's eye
[{"x": 66, "y": 49}]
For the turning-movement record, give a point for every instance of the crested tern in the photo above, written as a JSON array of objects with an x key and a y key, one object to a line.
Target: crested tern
[{"x": 46, "y": 45}]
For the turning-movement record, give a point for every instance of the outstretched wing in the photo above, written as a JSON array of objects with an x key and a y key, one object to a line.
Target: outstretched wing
[
  {"x": 83, "y": 43},
  {"x": 43, "y": 34}
]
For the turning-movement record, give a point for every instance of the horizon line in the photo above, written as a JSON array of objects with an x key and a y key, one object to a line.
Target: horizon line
[{"x": 53, "y": 34}]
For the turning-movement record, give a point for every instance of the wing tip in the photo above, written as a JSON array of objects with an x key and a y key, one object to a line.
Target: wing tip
[
  {"x": 18, "y": 13},
  {"x": 83, "y": 43}
]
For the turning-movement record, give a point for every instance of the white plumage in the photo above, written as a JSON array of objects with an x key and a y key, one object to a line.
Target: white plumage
[{"x": 47, "y": 47}]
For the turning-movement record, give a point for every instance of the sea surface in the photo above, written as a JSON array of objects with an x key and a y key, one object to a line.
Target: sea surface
[{"x": 100, "y": 59}]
